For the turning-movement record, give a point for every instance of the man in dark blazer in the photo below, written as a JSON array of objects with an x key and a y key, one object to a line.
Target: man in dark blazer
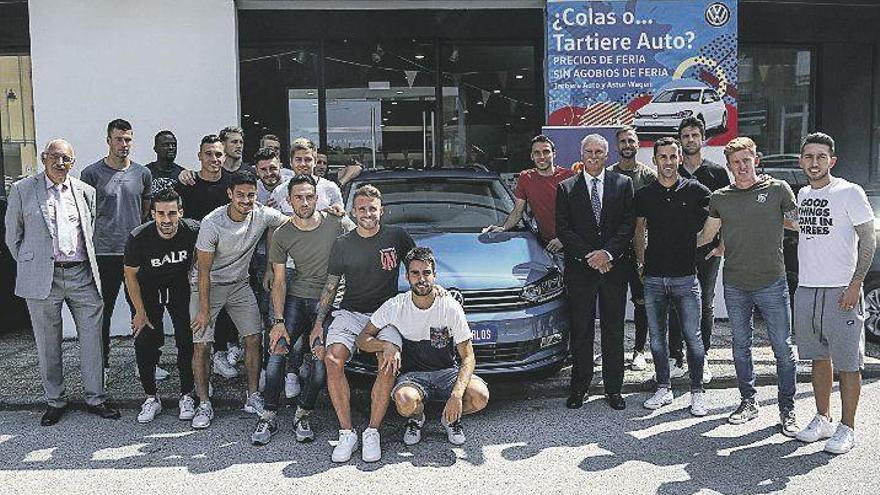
[
  {"x": 50, "y": 222},
  {"x": 595, "y": 222}
]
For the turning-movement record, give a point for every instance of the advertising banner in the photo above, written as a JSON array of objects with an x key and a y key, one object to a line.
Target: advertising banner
[{"x": 645, "y": 63}]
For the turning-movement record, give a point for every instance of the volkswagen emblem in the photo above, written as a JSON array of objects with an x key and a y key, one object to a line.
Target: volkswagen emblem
[
  {"x": 717, "y": 14},
  {"x": 457, "y": 295}
]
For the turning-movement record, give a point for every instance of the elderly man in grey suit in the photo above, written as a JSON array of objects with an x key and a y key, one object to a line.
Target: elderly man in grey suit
[{"x": 49, "y": 228}]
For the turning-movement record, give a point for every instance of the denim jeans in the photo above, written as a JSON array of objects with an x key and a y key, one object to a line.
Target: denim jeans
[
  {"x": 773, "y": 303},
  {"x": 707, "y": 274},
  {"x": 299, "y": 317},
  {"x": 682, "y": 293}
]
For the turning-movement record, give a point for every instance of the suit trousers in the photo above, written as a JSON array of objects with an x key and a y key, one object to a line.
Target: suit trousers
[
  {"x": 75, "y": 286},
  {"x": 610, "y": 291}
]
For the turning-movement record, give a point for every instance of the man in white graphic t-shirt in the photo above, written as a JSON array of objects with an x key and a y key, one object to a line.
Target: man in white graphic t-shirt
[
  {"x": 835, "y": 250},
  {"x": 435, "y": 355}
]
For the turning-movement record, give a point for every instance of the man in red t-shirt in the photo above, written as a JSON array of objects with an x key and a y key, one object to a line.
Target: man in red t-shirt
[{"x": 537, "y": 188}]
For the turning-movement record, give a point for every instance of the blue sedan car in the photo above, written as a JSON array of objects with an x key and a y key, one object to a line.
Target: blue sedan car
[{"x": 510, "y": 287}]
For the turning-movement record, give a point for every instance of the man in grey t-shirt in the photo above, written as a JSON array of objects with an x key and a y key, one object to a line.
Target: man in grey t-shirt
[
  {"x": 751, "y": 214},
  {"x": 123, "y": 193},
  {"x": 226, "y": 242}
]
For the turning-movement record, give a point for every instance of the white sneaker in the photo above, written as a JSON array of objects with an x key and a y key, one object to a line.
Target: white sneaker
[
  {"x": 348, "y": 443},
  {"x": 204, "y": 415},
  {"x": 149, "y": 409},
  {"x": 222, "y": 366},
  {"x": 454, "y": 432},
  {"x": 698, "y": 404},
  {"x": 261, "y": 385},
  {"x": 253, "y": 404},
  {"x": 662, "y": 397},
  {"x": 639, "y": 363},
  {"x": 187, "y": 406},
  {"x": 676, "y": 371},
  {"x": 371, "y": 451},
  {"x": 819, "y": 428},
  {"x": 291, "y": 385},
  {"x": 412, "y": 434},
  {"x": 843, "y": 440},
  {"x": 707, "y": 372},
  {"x": 234, "y": 355}
]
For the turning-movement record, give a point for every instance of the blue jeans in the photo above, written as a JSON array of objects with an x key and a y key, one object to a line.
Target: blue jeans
[
  {"x": 773, "y": 303},
  {"x": 299, "y": 317},
  {"x": 662, "y": 294}
]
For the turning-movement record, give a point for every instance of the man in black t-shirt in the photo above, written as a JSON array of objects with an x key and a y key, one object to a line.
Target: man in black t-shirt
[
  {"x": 158, "y": 257},
  {"x": 369, "y": 259},
  {"x": 672, "y": 210},
  {"x": 164, "y": 170}
]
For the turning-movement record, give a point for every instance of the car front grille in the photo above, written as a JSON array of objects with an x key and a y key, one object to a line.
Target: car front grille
[
  {"x": 500, "y": 353},
  {"x": 479, "y": 301}
]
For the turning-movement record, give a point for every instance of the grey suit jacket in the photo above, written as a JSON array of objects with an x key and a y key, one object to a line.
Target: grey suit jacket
[{"x": 30, "y": 239}]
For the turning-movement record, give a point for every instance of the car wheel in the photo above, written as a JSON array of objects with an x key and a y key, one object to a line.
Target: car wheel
[{"x": 872, "y": 312}]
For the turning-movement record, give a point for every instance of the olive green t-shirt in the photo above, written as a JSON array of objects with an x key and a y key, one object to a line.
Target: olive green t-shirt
[
  {"x": 752, "y": 229},
  {"x": 310, "y": 252},
  {"x": 641, "y": 176}
]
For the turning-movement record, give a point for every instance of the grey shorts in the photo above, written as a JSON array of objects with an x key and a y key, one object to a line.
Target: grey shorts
[
  {"x": 434, "y": 386},
  {"x": 240, "y": 303},
  {"x": 347, "y": 325},
  {"x": 824, "y": 331}
]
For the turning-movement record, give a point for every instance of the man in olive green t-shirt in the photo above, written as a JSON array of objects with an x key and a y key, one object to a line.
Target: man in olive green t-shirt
[{"x": 751, "y": 214}]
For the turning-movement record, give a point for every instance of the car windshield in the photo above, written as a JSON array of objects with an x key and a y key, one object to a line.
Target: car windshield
[
  {"x": 874, "y": 199},
  {"x": 443, "y": 204},
  {"x": 678, "y": 95}
]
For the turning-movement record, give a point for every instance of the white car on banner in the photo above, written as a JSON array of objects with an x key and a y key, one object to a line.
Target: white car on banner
[{"x": 671, "y": 105}]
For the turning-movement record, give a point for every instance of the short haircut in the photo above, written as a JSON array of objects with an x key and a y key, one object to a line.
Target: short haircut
[
  {"x": 419, "y": 254},
  {"x": 819, "y": 138},
  {"x": 738, "y": 144},
  {"x": 303, "y": 144},
  {"x": 667, "y": 141},
  {"x": 167, "y": 195},
  {"x": 692, "y": 122},
  {"x": 209, "y": 139},
  {"x": 119, "y": 125},
  {"x": 265, "y": 153},
  {"x": 594, "y": 137},
  {"x": 301, "y": 179},
  {"x": 540, "y": 138},
  {"x": 226, "y": 131},
  {"x": 367, "y": 191},
  {"x": 270, "y": 137},
  {"x": 161, "y": 133},
  {"x": 241, "y": 177},
  {"x": 626, "y": 128}
]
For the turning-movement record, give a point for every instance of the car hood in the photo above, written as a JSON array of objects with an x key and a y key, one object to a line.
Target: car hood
[
  {"x": 470, "y": 261},
  {"x": 671, "y": 107}
]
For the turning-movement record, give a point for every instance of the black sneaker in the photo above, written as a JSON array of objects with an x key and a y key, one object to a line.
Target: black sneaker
[
  {"x": 264, "y": 431},
  {"x": 747, "y": 411}
]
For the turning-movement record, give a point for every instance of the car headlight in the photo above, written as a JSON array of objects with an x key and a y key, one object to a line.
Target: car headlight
[
  {"x": 549, "y": 287},
  {"x": 638, "y": 115},
  {"x": 685, "y": 113}
]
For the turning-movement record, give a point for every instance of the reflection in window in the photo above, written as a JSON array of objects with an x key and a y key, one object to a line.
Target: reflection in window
[{"x": 17, "y": 133}]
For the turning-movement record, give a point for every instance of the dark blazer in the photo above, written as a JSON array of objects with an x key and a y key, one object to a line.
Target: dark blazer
[{"x": 576, "y": 227}]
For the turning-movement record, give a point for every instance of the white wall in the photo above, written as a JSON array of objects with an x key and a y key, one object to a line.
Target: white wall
[{"x": 162, "y": 64}]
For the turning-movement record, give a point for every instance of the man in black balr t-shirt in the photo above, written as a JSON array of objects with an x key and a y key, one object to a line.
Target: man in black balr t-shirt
[{"x": 158, "y": 256}]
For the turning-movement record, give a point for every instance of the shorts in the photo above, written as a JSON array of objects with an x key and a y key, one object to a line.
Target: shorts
[
  {"x": 823, "y": 330},
  {"x": 347, "y": 325},
  {"x": 240, "y": 304},
  {"x": 434, "y": 386}
]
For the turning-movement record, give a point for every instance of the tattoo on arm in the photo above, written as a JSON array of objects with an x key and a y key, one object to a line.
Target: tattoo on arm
[
  {"x": 327, "y": 297},
  {"x": 867, "y": 246}
]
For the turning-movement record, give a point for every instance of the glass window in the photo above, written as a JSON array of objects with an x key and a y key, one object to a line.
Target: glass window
[
  {"x": 17, "y": 134},
  {"x": 776, "y": 97}
]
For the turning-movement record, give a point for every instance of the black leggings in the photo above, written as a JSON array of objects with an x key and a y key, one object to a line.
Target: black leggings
[{"x": 148, "y": 343}]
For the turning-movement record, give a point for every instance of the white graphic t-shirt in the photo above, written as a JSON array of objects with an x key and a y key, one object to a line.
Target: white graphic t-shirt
[
  {"x": 429, "y": 335},
  {"x": 827, "y": 244}
]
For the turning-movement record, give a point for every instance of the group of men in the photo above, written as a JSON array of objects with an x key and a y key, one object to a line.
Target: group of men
[
  {"x": 662, "y": 234},
  {"x": 270, "y": 246},
  {"x": 265, "y": 244}
]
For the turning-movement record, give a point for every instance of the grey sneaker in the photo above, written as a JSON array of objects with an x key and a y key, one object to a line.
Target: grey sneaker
[
  {"x": 747, "y": 411},
  {"x": 788, "y": 423},
  {"x": 203, "y": 417},
  {"x": 413, "y": 432},
  {"x": 187, "y": 407},
  {"x": 254, "y": 404},
  {"x": 264, "y": 431},
  {"x": 304, "y": 431},
  {"x": 454, "y": 431}
]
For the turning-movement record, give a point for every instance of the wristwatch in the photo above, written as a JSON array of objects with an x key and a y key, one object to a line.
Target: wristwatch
[{"x": 276, "y": 320}]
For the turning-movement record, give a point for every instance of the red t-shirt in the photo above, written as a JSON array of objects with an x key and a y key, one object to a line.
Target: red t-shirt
[{"x": 540, "y": 193}]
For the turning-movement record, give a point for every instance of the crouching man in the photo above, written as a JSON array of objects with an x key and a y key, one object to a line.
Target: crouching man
[{"x": 432, "y": 328}]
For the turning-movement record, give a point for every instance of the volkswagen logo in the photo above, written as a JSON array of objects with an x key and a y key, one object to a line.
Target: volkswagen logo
[
  {"x": 717, "y": 14},
  {"x": 457, "y": 295}
]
